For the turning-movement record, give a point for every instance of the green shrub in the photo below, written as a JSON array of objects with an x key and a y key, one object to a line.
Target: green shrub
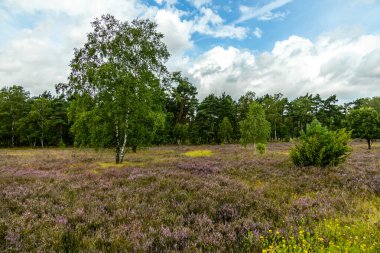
[
  {"x": 261, "y": 147},
  {"x": 320, "y": 147}
]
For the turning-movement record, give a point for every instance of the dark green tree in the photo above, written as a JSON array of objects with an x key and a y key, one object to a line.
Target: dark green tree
[
  {"x": 274, "y": 107},
  {"x": 328, "y": 113},
  {"x": 211, "y": 111},
  {"x": 181, "y": 106},
  {"x": 300, "y": 112},
  {"x": 364, "y": 123},
  {"x": 225, "y": 131},
  {"x": 14, "y": 107},
  {"x": 181, "y": 133},
  {"x": 184, "y": 99},
  {"x": 41, "y": 116},
  {"x": 243, "y": 104},
  {"x": 207, "y": 120},
  {"x": 320, "y": 147}
]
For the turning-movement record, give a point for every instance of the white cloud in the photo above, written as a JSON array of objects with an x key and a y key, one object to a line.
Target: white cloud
[
  {"x": 258, "y": 32},
  {"x": 168, "y": 2},
  {"x": 177, "y": 36},
  {"x": 200, "y": 3},
  {"x": 263, "y": 13},
  {"x": 346, "y": 67},
  {"x": 210, "y": 23},
  {"x": 177, "y": 32}
]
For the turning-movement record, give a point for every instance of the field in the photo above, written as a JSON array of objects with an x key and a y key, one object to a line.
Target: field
[{"x": 187, "y": 198}]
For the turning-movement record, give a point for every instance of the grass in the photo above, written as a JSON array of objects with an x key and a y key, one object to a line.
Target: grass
[
  {"x": 160, "y": 200},
  {"x": 199, "y": 153}
]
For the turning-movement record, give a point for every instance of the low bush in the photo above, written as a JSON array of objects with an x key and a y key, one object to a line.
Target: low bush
[
  {"x": 320, "y": 147},
  {"x": 261, "y": 147}
]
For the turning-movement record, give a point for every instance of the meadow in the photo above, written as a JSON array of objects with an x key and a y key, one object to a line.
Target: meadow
[{"x": 187, "y": 199}]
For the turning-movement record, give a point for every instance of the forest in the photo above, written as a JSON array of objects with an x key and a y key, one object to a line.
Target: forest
[{"x": 48, "y": 120}]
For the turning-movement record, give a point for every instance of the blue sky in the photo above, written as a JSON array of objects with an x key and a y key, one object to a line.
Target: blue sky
[{"x": 267, "y": 46}]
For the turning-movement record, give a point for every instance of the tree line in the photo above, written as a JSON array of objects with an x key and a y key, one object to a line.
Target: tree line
[
  {"x": 120, "y": 94},
  {"x": 48, "y": 120}
]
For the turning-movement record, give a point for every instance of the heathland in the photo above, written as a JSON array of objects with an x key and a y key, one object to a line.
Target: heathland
[{"x": 207, "y": 198}]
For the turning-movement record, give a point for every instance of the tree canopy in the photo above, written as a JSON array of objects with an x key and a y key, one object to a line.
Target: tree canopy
[
  {"x": 364, "y": 123},
  {"x": 117, "y": 79},
  {"x": 255, "y": 128}
]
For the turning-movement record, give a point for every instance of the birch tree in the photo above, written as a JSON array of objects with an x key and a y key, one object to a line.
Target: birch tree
[
  {"x": 255, "y": 128},
  {"x": 117, "y": 74}
]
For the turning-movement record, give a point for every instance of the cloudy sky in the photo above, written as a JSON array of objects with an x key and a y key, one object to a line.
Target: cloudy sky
[{"x": 233, "y": 46}]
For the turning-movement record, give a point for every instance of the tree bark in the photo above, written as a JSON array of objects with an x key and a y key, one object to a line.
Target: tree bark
[
  {"x": 13, "y": 135},
  {"x": 122, "y": 151},
  {"x": 369, "y": 143},
  {"x": 117, "y": 143},
  {"x": 275, "y": 131}
]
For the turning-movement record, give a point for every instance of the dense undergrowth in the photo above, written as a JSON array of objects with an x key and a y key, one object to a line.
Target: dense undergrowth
[{"x": 161, "y": 200}]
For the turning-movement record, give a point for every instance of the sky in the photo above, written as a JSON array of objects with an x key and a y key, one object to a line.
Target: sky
[{"x": 291, "y": 47}]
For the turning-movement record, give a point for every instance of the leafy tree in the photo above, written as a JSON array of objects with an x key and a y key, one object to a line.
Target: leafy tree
[
  {"x": 364, "y": 123},
  {"x": 59, "y": 122},
  {"x": 328, "y": 113},
  {"x": 225, "y": 130},
  {"x": 227, "y": 108},
  {"x": 181, "y": 106},
  {"x": 184, "y": 99},
  {"x": 375, "y": 104},
  {"x": 207, "y": 120},
  {"x": 40, "y": 115},
  {"x": 300, "y": 112},
  {"x": 13, "y": 107},
  {"x": 255, "y": 128},
  {"x": 243, "y": 104},
  {"x": 116, "y": 78},
  {"x": 274, "y": 107},
  {"x": 211, "y": 111},
  {"x": 181, "y": 132},
  {"x": 320, "y": 147}
]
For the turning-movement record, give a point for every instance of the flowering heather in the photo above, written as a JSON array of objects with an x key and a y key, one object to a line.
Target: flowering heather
[{"x": 159, "y": 200}]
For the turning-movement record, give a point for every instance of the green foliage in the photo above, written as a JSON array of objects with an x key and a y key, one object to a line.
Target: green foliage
[
  {"x": 182, "y": 101},
  {"x": 261, "y": 147},
  {"x": 210, "y": 114},
  {"x": 118, "y": 81},
  {"x": 225, "y": 131},
  {"x": 243, "y": 104},
  {"x": 13, "y": 108},
  {"x": 32, "y": 121},
  {"x": 274, "y": 107},
  {"x": 255, "y": 128},
  {"x": 364, "y": 123},
  {"x": 40, "y": 115},
  {"x": 320, "y": 147},
  {"x": 181, "y": 133}
]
